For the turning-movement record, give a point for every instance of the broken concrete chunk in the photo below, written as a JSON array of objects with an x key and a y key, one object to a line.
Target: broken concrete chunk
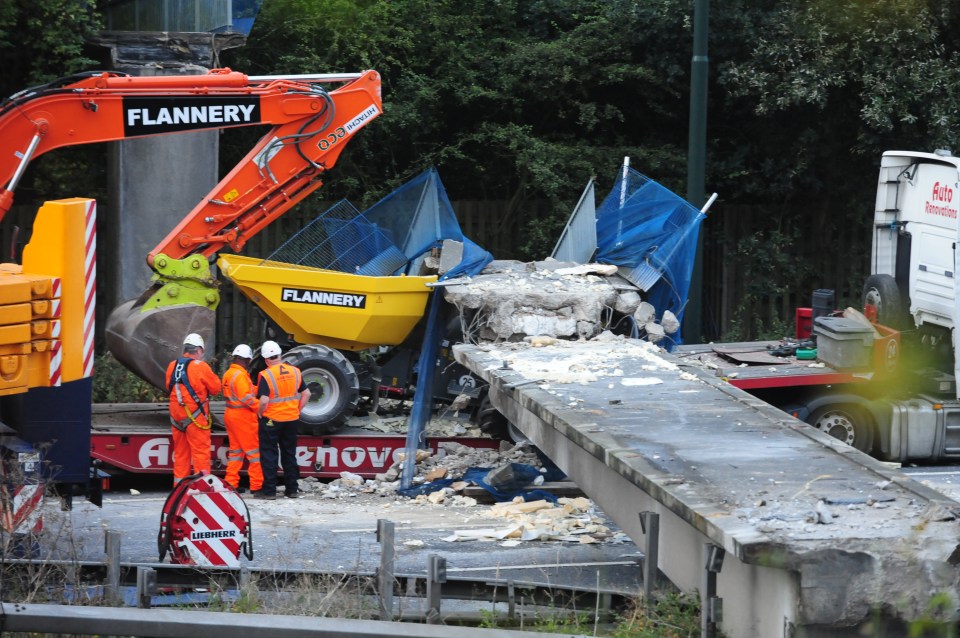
[
  {"x": 451, "y": 254},
  {"x": 509, "y": 302},
  {"x": 350, "y": 479},
  {"x": 655, "y": 332},
  {"x": 390, "y": 475},
  {"x": 439, "y": 496},
  {"x": 501, "y": 477},
  {"x": 421, "y": 455},
  {"x": 519, "y": 506},
  {"x": 823, "y": 514},
  {"x": 645, "y": 313},
  {"x": 452, "y": 447},
  {"x": 627, "y": 302},
  {"x": 540, "y": 341},
  {"x": 437, "y": 473},
  {"x": 669, "y": 322},
  {"x": 462, "y": 401}
]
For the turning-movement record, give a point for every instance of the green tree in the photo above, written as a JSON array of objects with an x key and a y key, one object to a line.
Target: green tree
[
  {"x": 819, "y": 89},
  {"x": 40, "y": 41},
  {"x": 510, "y": 100}
]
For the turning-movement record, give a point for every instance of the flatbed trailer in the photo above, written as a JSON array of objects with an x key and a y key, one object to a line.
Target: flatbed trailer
[
  {"x": 135, "y": 438},
  {"x": 749, "y": 365},
  {"x": 899, "y": 416}
]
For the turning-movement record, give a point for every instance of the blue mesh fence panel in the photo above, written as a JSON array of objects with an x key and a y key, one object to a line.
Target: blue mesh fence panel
[
  {"x": 387, "y": 237},
  {"x": 342, "y": 238}
]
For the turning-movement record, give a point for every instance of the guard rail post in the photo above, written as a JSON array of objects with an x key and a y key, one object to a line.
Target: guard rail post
[
  {"x": 711, "y": 605},
  {"x": 111, "y": 547},
  {"x": 386, "y": 535},
  {"x": 650, "y": 525},
  {"x": 146, "y": 586},
  {"x": 436, "y": 576}
]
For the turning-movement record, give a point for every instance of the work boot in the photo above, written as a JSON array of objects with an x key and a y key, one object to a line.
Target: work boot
[
  {"x": 266, "y": 497},
  {"x": 297, "y": 494}
]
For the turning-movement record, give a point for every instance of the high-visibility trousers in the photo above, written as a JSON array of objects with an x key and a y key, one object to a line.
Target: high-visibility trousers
[
  {"x": 244, "y": 443},
  {"x": 190, "y": 447}
]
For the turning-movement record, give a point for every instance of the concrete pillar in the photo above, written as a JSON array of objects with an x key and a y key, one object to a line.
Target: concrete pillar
[{"x": 154, "y": 182}]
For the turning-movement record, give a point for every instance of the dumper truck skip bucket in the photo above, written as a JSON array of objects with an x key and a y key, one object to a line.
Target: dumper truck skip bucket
[{"x": 336, "y": 309}]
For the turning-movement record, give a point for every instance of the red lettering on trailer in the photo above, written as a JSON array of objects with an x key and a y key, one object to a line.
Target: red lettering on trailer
[
  {"x": 942, "y": 192},
  {"x": 319, "y": 456}
]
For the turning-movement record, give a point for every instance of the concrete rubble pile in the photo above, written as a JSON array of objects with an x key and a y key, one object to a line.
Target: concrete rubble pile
[
  {"x": 570, "y": 520},
  {"x": 570, "y": 366},
  {"x": 512, "y": 300},
  {"x": 451, "y": 460},
  {"x": 449, "y": 422},
  {"x": 567, "y": 520}
]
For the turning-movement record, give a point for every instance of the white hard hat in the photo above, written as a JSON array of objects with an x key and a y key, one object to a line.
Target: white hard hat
[
  {"x": 244, "y": 351},
  {"x": 193, "y": 339},
  {"x": 270, "y": 349}
]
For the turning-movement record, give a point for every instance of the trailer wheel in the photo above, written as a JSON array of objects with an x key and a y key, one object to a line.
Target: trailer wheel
[
  {"x": 496, "y": 425},
  {"x": 882, "y": 292},
  {"x": 334, "y": 387},
  {"x": 847, "y": 422}
]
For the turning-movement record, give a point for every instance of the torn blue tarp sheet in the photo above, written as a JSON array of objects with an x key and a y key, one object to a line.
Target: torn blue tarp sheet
[
  {"x": 651, "y": 233},
  {"x": 524, "y": 477}
]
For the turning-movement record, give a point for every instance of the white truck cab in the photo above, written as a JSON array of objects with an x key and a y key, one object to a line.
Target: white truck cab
[{"x": 915, "y": 234}]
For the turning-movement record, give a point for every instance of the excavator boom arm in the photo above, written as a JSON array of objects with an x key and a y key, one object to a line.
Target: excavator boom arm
[{"x": 310, "y": 127}]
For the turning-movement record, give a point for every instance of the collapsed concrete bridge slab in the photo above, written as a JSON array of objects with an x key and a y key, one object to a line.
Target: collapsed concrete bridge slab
[{"x": 819, "y": 539}]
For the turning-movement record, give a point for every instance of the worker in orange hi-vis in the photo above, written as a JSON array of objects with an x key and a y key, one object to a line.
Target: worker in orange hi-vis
[
  {"x": 191, "y": 382},
  {"x": 241, "y": 419}
]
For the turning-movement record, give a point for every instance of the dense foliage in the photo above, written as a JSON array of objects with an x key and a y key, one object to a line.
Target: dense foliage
[
  {"x": 40, "y": 41},
  {"x": 522, "y": 101}
]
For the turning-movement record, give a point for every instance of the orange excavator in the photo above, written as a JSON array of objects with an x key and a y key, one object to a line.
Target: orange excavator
[{"x": 312, "y": 117}]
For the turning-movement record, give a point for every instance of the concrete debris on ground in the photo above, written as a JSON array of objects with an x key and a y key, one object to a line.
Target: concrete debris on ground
[
  {"x": 453, "y": 459},
  {"x": 449, "y": 422},
  {"x": 568, "y": 520},
  {"x": 510, "y": 300}
]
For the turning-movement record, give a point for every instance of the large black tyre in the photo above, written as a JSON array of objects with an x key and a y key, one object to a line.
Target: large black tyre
[
  {"x": 334, "y": 387},
  {"x": 495, "y": 425},
  {"x": 846, "y": 422},
  {"x": 883, "y": 293},
  {"x": 490, "y": 421}
]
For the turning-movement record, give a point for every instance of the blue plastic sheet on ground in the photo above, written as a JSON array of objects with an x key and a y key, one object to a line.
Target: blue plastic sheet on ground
[{"x": 524, "y": 476}]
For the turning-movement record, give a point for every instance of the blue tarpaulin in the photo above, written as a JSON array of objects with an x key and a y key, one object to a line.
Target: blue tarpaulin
[
  {"x": 525, "y": 475},
  {"x": 650, "y": 232},
  {"x": 419, "y": 216}
]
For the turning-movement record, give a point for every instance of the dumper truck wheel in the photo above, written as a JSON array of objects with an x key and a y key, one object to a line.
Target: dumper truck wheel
[
  {"x": 847, "y": 422},
  {"x": 334, "y": 387},
  {"x": 882, "y": 292},
  {"x": 495, "y": 425}
]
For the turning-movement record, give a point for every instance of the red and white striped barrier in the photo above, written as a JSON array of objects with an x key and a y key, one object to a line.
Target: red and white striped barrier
[
  {"x": 205, "y": 523},
  {"x": 90, "y": 286}
]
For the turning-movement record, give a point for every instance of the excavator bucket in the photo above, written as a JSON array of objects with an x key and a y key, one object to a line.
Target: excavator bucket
[
  {"x": 146, "y": 341},
  {"x": 145, "y": 334}
]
